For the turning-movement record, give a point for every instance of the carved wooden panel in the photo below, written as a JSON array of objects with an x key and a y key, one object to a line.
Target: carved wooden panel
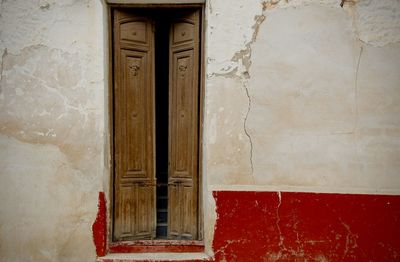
[
  {"x": 183, "y": 32},
  {"x": 183, "y": 127},
  {"x": 189, "y": 210},
  {"x": 182, "y": 113},
  {"x": 183, "y": 215},
  {"x": 134, "y": 178},
  {"x": 134, "y": 31},
  {"x": 132, "y": 211},
  {"x": 137, "y": 123},
  {"x": 144, "y": 226},
  {"x": 125, "y": 211}
]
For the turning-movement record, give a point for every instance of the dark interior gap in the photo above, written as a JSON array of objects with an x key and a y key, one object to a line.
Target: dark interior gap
[{"x": 161, "y": 94}]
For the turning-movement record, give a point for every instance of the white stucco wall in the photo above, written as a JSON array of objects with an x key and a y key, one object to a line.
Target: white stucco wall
[
  {"x": 300, "y": 95},
  {"x": 51, "y": 128}
]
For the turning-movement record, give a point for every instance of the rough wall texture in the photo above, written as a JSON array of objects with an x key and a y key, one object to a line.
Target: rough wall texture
[
  {"x": 287, "y": 226},
  {"x": 301, "y": 95},
  {"x": 51, "y": 128},
  {"x": 315, "y": 91}
]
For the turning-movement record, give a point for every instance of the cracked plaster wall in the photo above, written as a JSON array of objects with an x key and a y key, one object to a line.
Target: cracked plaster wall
[
  {"x": 301, "y": 95},
  {"x": 51, "y": 128},
  {"x": 315, "y": 93}
]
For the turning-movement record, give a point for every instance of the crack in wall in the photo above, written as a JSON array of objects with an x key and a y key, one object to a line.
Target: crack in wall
[
  {"x": 247, "y": 132},
  {"x": 351, "y": 239},
  {"x": 357, "y": 117},
  {"x": 64, "y": 118},
  {"x": 3, "y": 56},
  {"x": 356, "y": 88},
  {"x": 241, "y": 71},
  {"x": 243, "y": 58},
  {"x": 278, "y": 220}
]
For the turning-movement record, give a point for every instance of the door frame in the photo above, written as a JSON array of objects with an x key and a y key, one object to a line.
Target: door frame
[{"x": 154, "y": 245}]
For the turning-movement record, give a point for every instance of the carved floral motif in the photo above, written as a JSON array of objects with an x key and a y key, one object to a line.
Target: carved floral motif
[
  {"x": 182, "y": 69},
  {"x": 134, "y": 69}
]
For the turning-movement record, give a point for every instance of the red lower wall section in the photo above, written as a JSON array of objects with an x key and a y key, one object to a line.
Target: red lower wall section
[
  {"x": 271, "y": 226},
  {"x": 99, "y": 227}
]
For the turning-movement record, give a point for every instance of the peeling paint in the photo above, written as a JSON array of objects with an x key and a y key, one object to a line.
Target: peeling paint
[
  {"x": 243, "y": 59},
  {"x": 244, "y": 55},
  {"x": 51, "y": 128},
  {"x": 300, "y": 94}
]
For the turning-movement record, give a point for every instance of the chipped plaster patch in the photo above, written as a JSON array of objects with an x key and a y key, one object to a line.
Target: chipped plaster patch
[
  {"x": 239, "y": 70},
  {"x": 237, "y": 21}
]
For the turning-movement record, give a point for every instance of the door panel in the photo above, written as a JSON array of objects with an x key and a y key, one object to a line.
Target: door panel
[
  {"x": 134, "y": 190},
  {"x": 136, "y": 31},
  {"x": 183, "y": 31},
  {"x": 183, "y": 126}
]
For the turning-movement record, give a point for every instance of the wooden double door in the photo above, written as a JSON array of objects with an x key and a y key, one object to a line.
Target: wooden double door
[{"x": 156, "y": 118}]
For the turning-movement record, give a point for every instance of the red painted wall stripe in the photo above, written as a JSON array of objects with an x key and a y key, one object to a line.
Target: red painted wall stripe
[
  {"x": 99, "y": 227},
  {"x": 267, "y": 226}
]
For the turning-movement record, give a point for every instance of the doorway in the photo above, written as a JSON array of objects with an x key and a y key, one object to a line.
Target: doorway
[{"x": 156, "y": 112}]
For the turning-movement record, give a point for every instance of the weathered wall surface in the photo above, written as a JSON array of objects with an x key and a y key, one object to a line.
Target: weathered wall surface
[
  {"x": 320, "y": 227},
  {"x": 301, "y": 95},
  {"x": 310, "y": 100},
  {"x": 51, "y": 128}
]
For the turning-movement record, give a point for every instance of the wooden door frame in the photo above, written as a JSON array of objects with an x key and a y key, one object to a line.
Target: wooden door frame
[{"x": 155, "y": 245}]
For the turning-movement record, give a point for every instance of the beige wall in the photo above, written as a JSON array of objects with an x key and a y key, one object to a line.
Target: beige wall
[
  {"x": 300, "y": 95},
  {"x": 51, "y": 128},
  {"x": 322, "y": 108}
]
